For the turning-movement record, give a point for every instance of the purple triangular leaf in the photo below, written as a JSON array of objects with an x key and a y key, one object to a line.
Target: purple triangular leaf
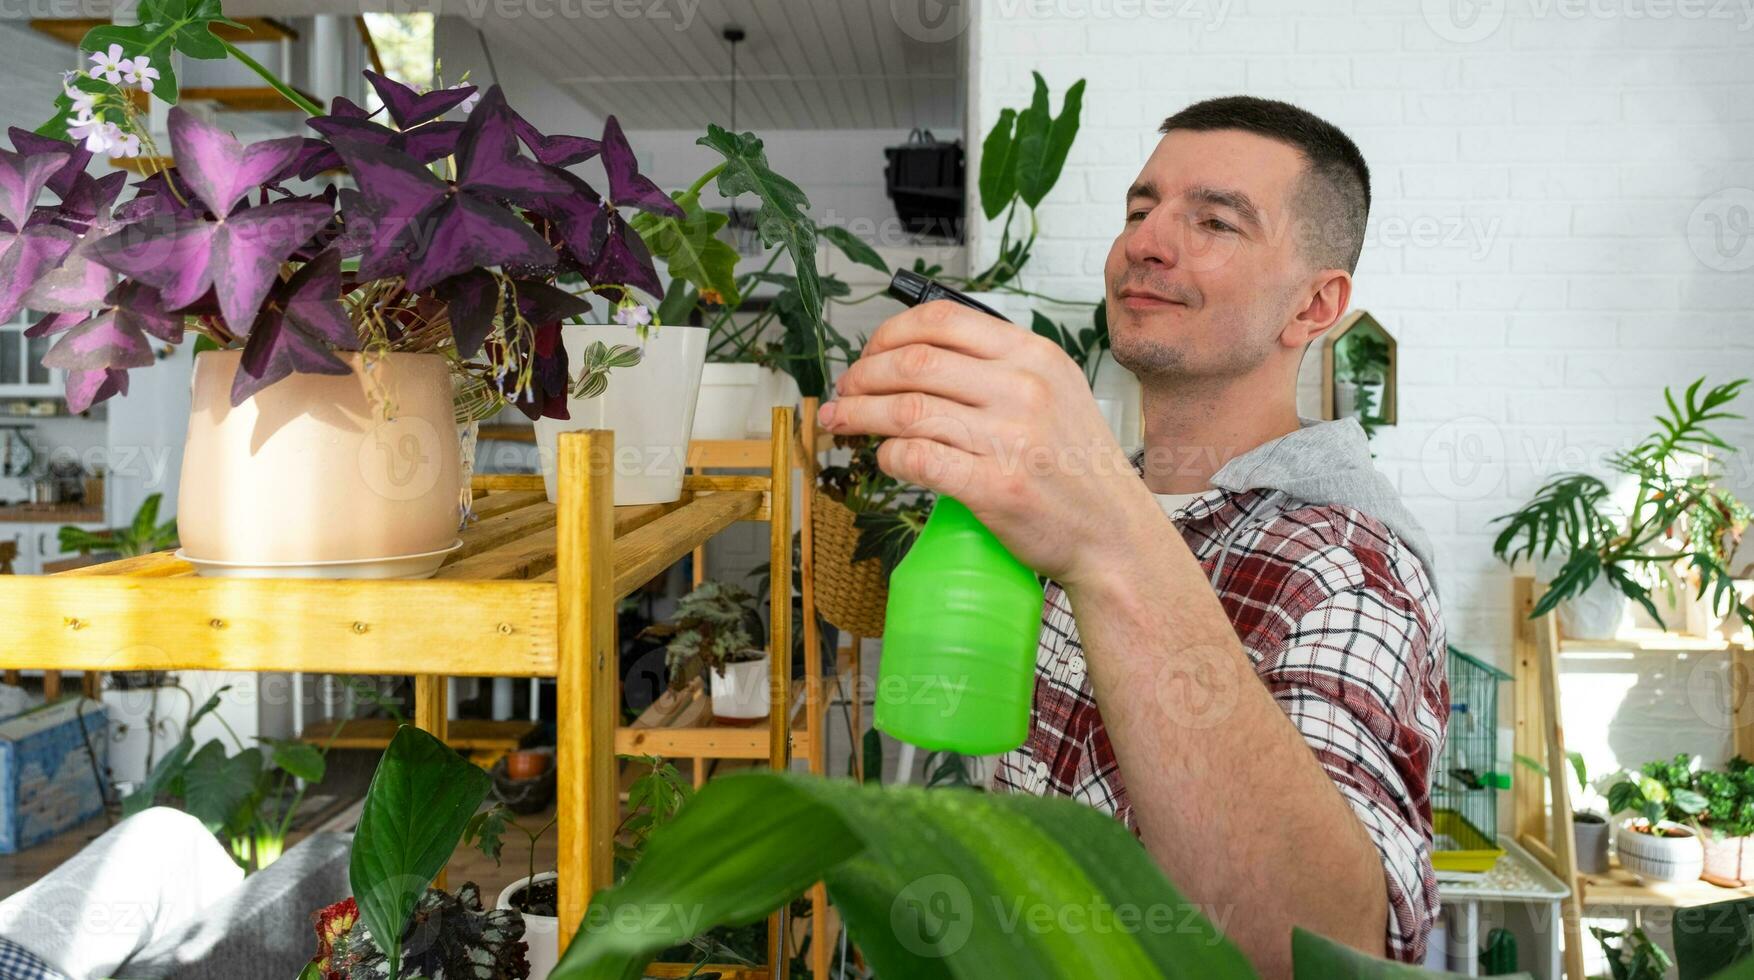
[
  {"x": 26, "y": 257},
  {"x": 90, "y": 199},
  {"x": 171, "y": 255},
  {"x": 311, "y": 299},
  {"x": 410, "y": 108},
  {"x": 248, "y": 251},
  {"x": 30, "y": 144},
  {"x": 627, "y": 186},
  {"x": 76, "y": 284},
  {"x": 488, "y": 163},
  {"x": 22, "y": 179},
  {"x": 466, "y": 233},
  {"x": 555, "y": 151},
  {"x": 277, "y": 349},
  {"x": 107, "y": 340},
  {"x": 54, "y": 323},
  {"x": 425, "y": 144},
  {"x": 395, "y": 191},
  {"x": 220, "y": 170},
  {"x": 625, "y": 260},
  {"x": 541, "y": 303},
  {"x": 471, "y": 299},
  {"x": 582, "y": 219},
  {"x": 347, "y": 108},
  {"x": 87, "y": 388},
  {"x": 163, "y": 193},
  {"x": 141, "y": 306}
]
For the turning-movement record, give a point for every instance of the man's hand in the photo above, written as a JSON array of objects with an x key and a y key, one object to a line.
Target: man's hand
[{"x": 1002, "y": 420}]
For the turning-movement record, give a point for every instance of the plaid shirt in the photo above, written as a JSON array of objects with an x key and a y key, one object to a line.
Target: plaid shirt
[
  {"x": 18, "y": 963},
  {"x": 1341, "y": 621}
]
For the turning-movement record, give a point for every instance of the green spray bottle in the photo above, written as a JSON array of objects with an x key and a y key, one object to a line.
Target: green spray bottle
[{"x": 959, "y": 634}]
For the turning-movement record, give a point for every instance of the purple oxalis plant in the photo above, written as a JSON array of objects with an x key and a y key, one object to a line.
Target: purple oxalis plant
[{"x": 466, "y": 237}]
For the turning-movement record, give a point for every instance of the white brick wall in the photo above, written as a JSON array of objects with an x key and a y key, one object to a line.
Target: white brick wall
[{"x": 1529, "y": 238}]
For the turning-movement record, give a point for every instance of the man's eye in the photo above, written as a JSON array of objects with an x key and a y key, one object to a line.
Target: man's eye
[
  {"x": 1217, "y": 225},
  {"x": 1138, "y": 214}
]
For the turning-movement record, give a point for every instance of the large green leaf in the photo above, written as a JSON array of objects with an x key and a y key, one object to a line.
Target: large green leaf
[
  {"x": 214, "y": 786},
  {"x": 942, "y": 884},
  {"x": 1041, "y": 151},
  {"x": 782, "y": 219},
  {"x": 691, "y": 247},
  {"x": 169, "y": 769},
  {"x": 301, "y": 759},
  {"x": 853, "y": 247},
  {"x": 998, "y": 180},
  {"x": 420, "y": 800}
]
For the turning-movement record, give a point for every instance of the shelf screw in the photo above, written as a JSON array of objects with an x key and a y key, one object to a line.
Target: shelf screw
[
  {"x": 73, "y": 623},
  {"x": 216, "y": 623},
  {"x": 505, "y": 629},
  {"x": 360, "y": 628}
]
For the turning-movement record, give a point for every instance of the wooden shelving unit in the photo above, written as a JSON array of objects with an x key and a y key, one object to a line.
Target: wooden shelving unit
[
  {"x": 531, "y": 593},
  {"x": 1542, "y": 812}
]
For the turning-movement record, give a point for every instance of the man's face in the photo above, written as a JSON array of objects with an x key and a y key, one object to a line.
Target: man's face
[{"x": 1205, "y": 273}]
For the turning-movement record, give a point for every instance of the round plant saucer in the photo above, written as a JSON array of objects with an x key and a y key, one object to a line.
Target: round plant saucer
[{"x": 422, "y": 565}]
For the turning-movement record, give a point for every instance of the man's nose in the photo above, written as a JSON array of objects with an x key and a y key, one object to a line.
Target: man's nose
[{"x": 1153, "y": 241}]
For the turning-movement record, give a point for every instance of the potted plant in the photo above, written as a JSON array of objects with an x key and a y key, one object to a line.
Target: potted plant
[
  {"x": 1631, "y": 954},
  {"x": 652, "y": 801},
  {"x": 1361, "y": 375},
  {"x": 1727, "y": 821},
  {"x": 864, "y": 523},
  {"x": 1602, "y": 551},
  {"x": 718, "y": 628},
  {"x": 1021, "y": 160},
  {"x": 143, "y": 535},
  {"x": 1589, "y": 829},
  {"x": 1659, "y": 841},
  {"x": 422, "y": 798}
]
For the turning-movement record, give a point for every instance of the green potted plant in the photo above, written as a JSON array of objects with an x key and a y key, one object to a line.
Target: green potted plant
[
  {"x": 1659, "y": 840},
  {"x": 1361, "y": 365},
  {"x": 1589, "y": 829},
  {"x": 423, "y": 797},
  {"x": 143, "y": 535},
  {"x": 1680, "y": 516},
  {"x": 1631, "y": 954},
  {"x": 717, "y": 627},
  {"x": 652, "y": 801},
  {"x": 1727, "y": 821}
]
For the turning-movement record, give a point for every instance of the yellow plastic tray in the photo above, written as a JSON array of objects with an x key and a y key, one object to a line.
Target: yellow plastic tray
[{"x": 1473, "y": 851}]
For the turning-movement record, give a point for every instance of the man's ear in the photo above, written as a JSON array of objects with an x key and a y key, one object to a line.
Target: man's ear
[{"x": 1326, "y": 304}]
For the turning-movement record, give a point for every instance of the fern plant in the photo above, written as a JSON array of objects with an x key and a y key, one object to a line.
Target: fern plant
[{"x": 1677, "y": 499}]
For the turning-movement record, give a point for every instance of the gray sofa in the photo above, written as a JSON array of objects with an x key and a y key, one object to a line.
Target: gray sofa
[{"x": 263, "y": 928}]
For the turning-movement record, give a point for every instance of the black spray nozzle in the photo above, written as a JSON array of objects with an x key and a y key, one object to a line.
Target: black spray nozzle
[{"x": 913, "y": 289}]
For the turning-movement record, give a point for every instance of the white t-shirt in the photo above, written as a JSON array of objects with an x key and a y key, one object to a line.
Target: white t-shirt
[{"x": 1172, "y": 502}]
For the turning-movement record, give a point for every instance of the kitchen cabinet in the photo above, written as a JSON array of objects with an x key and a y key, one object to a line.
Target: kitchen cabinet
[
  {"x": 22, "y": 374},
  {"x": 38, "y": 542}
]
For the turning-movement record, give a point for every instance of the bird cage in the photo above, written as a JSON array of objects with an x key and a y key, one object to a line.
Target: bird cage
[{"x": 1464, "y": 793}]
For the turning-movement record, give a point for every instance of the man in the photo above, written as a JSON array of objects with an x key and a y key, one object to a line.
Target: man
[{"x": 1260, "y": 697}]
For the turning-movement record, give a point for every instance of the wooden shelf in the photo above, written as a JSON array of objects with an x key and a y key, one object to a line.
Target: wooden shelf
[
  {"x": 1621, "y": 888},
  {"x": 1653, "y": 641},
  {"x": 713, "y": 741},
  {"x": 463, "y": 734},
  {"x": 72, "y": 30},
  {"x": 531, "y": 592},
  {"x": 243, "y": 98}
]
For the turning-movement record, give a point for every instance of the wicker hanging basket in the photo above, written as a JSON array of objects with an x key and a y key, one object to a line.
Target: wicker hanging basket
[{"x": 850, "y": 595}]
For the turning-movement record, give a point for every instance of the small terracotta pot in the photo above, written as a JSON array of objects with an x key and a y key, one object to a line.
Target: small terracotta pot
[
  {"x": 526, "y": 763},
  {"x": 320, "y": 467},
  {"x": 1728, "y": 857}
]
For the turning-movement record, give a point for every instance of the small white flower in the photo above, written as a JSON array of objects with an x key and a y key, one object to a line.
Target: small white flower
[
  {"x": 140, "y": 72},
  {"x": 108, "y": 64},
  {"x": 83, "y": 102},
  {"x": 468, "y": 104},
  {"x": 95, "y": 132},
  {"x": 633, "y": 315},
  {"x": 125, "y": 145}
]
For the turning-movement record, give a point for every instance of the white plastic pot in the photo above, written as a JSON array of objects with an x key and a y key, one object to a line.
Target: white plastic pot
[
  {"x": 776, "y": 388},
  {"x": 741, "y": 692},
  {"x": 541, "y": 932},
  {"x": 650, "y": 408},
  {"x": 1659, "y": 858},
  {"x": 726, "y": 391},
  {"x": 1597, "y": 614}
]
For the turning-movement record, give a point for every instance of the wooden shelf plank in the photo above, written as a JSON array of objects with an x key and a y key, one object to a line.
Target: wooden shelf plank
[
  {"x": 644, "y": 552},
  {"x": 72, "y": 30},
  {"x": 243, "y": 98},
  {"x": 1621, "y": 888},
  {"x": 319, "y": 626},
  {"x": 1652, "y": 641},
  {"x": 712, "y": 741},
  {"x": 463, "y": 734}
]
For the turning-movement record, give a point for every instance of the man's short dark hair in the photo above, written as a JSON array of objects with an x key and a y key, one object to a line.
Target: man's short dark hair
[{"x": 1332, "y": 200}]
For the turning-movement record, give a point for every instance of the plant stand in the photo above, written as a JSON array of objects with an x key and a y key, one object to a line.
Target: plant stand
[
  {"x": 1540, "y": 734},
  {"x": 531, "y": 593}
]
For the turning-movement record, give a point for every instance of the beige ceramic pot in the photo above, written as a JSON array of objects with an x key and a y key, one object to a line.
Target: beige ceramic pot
[{"x": 321, "y": 468}]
